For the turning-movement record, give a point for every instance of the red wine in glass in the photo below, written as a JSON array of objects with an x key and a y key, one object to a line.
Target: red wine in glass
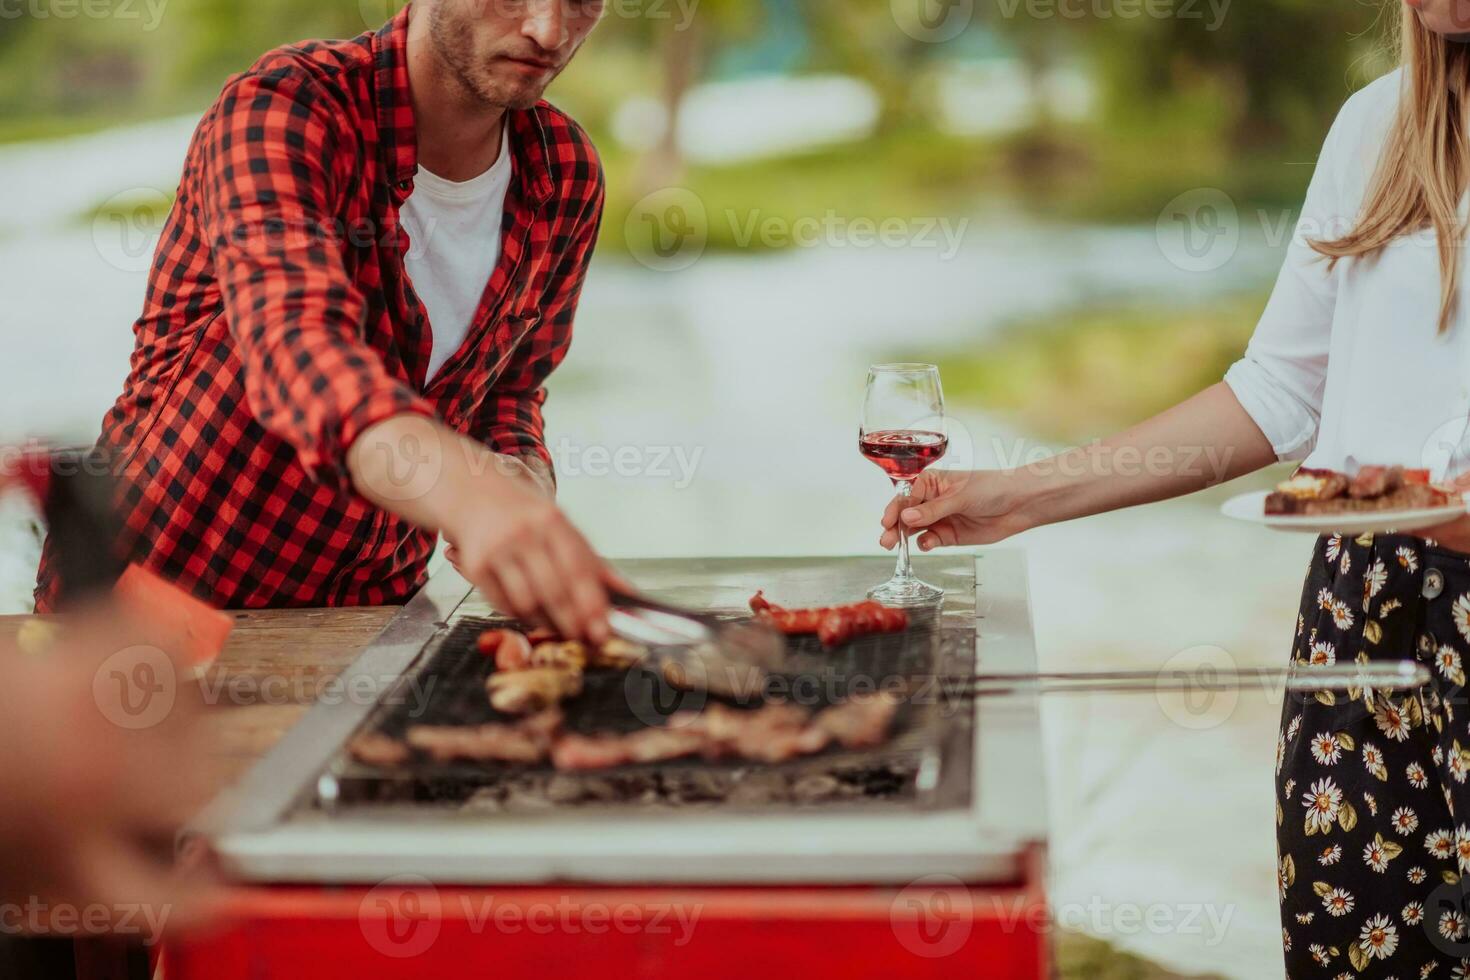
[
  {"x": 902, "y": 431},
  {"x": 903, "y": 453}
]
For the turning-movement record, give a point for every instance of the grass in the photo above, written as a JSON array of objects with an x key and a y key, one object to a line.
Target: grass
[
  {"x": 22, "y": 129},
  {"x": 905, "y": 174},
  {"x": 1081, "y": 957},
  {"x": 1074, "y": 376}
]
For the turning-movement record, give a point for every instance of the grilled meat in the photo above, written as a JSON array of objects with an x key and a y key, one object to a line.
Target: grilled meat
[
  {"x": 373, "y": 749},
  {"x": 568, "y": 655},
  {"x": 524, "y": 691},
  {"x": 481, "y": 743},
  {"x": 510, "y": 648},
  {"x": 848, "y": 622},
  {"x": 618, "y": 654},
  {"x": 833, "y": 625},
  {"x": 1375, "y": 481},
  {"x": 774, "y": 733},
  {"x": 579, "y": 752},
  {"x": 860, "y": 722},
  {"x": 528, "y": 741}
]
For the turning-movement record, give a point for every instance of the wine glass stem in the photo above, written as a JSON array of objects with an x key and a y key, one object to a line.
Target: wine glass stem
[{"x": 905, "y": 568}]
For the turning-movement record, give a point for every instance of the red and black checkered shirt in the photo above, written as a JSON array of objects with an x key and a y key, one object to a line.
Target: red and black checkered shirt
[{"x": 280, "y": 323}]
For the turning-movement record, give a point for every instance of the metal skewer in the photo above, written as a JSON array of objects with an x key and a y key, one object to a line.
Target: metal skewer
[{"x": 1297, "y": 679}]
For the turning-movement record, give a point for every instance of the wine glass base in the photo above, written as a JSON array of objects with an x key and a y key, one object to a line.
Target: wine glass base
[{"x": 906, "y": 592}]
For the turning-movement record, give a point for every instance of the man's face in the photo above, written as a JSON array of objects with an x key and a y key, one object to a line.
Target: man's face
[
  {"x": 1448, "y": 17},
  {"x": 505, "y": 52}
]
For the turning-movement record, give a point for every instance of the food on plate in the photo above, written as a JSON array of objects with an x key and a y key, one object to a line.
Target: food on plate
[
  {"x": 521, "y": 692},
  {"x": 373, "y": 749},
  {"x": 1372, "y": 488},
  {"x": 860, "y": 722},
  {"x": 833, "y": 625}
]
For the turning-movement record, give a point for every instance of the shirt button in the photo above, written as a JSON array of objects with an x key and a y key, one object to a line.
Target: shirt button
[
  {"x": 1433, "y": 583},
  {"x": 1427, "y": 645},
  {"x": 403, "y": 185}
]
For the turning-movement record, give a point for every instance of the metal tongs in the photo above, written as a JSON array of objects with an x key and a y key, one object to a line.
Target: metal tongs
[
  {"x": 697, "y": 650},
  {"x": 1298, "y": 678}
]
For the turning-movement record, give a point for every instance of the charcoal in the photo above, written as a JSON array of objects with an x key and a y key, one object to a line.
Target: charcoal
[{"x": 816, "y": 787}]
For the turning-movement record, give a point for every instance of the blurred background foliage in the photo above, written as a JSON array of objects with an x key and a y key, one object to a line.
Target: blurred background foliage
[
  {"x": 1116, "y": 114},
  {"x": 1174, "y": 99}
]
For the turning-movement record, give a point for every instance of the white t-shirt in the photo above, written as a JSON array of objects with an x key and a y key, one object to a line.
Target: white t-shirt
[
  {"x": 454, "y": 242},
  {"x": 1347, "y": 367}
]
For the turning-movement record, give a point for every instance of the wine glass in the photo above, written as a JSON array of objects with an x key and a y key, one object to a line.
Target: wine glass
[{"x": 903, "y": 432}]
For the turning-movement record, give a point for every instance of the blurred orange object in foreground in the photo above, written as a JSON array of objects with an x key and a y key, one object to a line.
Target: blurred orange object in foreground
[{"x": 192, "y": 629}]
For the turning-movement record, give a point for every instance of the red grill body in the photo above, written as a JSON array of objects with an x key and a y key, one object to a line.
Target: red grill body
[{"x": 409, "y": 929}]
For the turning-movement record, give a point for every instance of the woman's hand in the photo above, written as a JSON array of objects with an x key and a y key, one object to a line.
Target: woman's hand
[
  {"x": 1455, "y": 535},
  {"x": 954, "y": 507},
  {"x": 1198, "y": 443}
]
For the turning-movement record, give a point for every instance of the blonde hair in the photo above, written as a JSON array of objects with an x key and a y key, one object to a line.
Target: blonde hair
[{"x": 1422, "y": 172}]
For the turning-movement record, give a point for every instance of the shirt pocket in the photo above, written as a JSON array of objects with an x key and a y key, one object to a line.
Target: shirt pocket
[
  {"x": 507, "y": 337},
  {"x": 493, "y": 358}
]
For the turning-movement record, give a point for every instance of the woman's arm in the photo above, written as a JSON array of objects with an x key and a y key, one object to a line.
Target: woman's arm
[{"x": 1198, "y": 443}]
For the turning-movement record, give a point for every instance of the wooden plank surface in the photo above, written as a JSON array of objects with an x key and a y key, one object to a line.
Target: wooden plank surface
[{"x": 277, "y": 663}]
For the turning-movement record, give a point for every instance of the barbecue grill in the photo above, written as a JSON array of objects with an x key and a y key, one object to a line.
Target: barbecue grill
[{"x": 953, "y": 790}]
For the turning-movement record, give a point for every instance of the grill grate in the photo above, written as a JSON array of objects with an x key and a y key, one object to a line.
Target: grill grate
[{"x": 452, "y": 672}]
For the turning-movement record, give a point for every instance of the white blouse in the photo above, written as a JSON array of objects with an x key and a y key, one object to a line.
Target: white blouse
[{"x": 1347, "y": 368}]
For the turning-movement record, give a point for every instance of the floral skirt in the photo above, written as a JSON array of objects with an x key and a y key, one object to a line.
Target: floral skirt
[{"x": 1372, "y": 803}]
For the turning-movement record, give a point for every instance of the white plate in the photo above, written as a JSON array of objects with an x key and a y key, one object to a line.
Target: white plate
[{"x": 1251, "y": 507}]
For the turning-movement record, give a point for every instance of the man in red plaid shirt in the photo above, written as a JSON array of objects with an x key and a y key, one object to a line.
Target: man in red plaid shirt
[{"x": 294, "y": 431}]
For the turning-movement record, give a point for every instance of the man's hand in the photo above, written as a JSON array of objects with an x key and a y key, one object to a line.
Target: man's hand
[
  {"x": 103, "y": 765},
  {"x": 507, "y": 537},
  {"x": 535, "y": 474}
]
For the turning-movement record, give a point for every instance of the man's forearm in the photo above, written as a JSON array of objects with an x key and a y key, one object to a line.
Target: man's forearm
[
  {"x": 539, "y": 472},
  {"x": 422, "y": 470}
]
